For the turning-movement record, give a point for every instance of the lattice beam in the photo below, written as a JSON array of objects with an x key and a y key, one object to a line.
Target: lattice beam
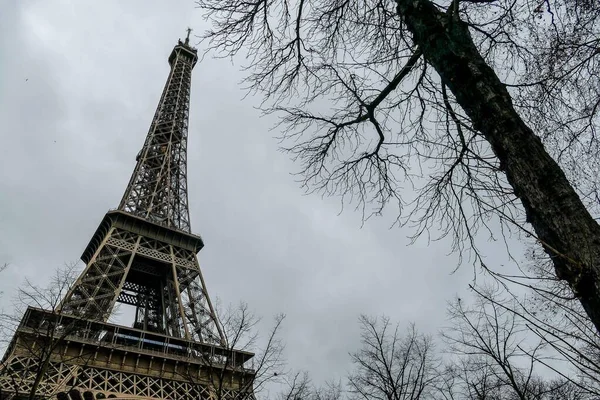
[
  {"x": 167, "y": 290},
  {"x": 157, "y": 190},
  {"x": 120, "y": 361}
]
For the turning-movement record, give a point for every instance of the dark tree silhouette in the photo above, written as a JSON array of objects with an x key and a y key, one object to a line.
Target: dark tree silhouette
[
  {"x": 268, "y": 365},
  {"x": 507, "y": 347},
  {"x": 488, "y": 108},
  {"x": 494, "y": 348},
  {"x": 391, "y": 365},
  {"x": 35, "y": 331}
]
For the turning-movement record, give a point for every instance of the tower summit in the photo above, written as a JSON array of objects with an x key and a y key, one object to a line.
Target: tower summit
[{"x": 143, "y": 254}]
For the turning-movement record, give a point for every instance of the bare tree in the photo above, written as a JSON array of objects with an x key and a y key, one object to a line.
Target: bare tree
[
  {"x": 329, "y": 391},
  {"x": 453, "y": 97},
  {"x": 494, "y": 340},
  {"x": 392, "y": 366},
  {"x": 491, "y": 352},
  {"x": 267, "y": 365},
  {"x": 469, "y": 379},
  {"x": 552, "y": 314},
  {"x": 34, "y": 331},
  {"x": 298, "y": 386},
  {"x": 507, "y": 349},
  {"x": 494, "y": 350}
]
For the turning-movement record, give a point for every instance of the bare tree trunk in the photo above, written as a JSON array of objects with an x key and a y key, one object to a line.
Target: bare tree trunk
[
  {"x": 40, "y": 374},
  {"x": 561, "y": 222}
]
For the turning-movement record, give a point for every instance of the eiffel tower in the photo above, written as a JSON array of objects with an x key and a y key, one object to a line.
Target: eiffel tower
[{"x": 142, "y": 254}]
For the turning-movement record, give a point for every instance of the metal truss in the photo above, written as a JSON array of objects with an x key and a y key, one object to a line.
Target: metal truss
[
  {"x": 157, "y": 189},
  {"x": 96, "y": 383},
  {"x": 100, "y": 360},
  {"x": 161, "y": 280}
]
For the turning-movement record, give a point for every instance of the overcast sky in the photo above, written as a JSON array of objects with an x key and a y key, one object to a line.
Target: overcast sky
[{"x": 79, "y": 83}]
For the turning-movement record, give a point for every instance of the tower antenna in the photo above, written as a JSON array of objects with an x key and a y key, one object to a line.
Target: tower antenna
[{"x": 187, "y": 39}]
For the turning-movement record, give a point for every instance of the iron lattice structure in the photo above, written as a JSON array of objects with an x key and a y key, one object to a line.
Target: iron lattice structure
[
  {"x": 157, "y": 190},
  {"x": 143, "y": 254}
]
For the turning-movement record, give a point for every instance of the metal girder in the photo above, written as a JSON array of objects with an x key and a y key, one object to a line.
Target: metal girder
[
  {"x": 120, "y": 363},
  {"x": 163, "y": 281},
  {"x": 157, "y": 190}
]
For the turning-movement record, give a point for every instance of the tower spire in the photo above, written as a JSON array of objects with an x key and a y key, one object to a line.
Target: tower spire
[{"x": 187, "y": 39}]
